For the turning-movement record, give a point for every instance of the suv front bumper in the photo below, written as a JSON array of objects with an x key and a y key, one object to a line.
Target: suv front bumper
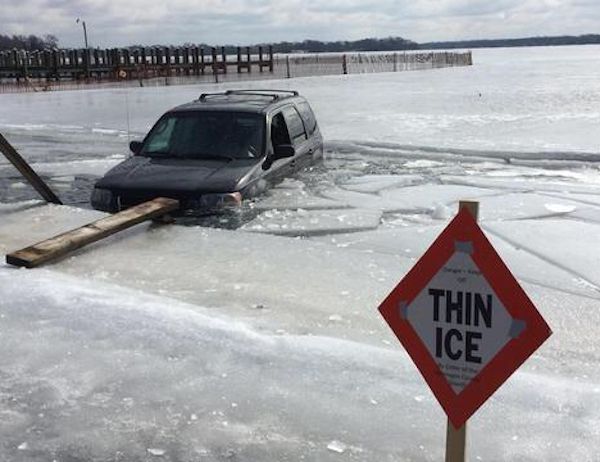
[{"x": 108, "y": 201}]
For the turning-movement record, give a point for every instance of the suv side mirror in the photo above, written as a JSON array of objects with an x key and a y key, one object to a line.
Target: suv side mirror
[
  {"x": 280, "y": 152},
  {"x": 135, "y": 147}
]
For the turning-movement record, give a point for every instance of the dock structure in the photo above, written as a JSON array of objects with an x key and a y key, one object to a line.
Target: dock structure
[{"x": 130, "y": 63}]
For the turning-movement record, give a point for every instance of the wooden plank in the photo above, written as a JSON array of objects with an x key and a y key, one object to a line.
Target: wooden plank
[
  {"x": 22, "y": 166},
  {"x": 59, "y": 246}
]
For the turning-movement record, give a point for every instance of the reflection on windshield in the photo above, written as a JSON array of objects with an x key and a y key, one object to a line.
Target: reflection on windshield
[{"x": 206, "y": 135}]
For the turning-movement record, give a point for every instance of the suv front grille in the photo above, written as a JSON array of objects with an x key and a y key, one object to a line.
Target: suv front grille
[{"x": 124, "y": 201}]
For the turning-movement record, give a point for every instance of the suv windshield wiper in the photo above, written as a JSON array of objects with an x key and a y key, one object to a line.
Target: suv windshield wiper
[
  {"x": 209, "y": 157},
  {"x": 156, "y": 153}
]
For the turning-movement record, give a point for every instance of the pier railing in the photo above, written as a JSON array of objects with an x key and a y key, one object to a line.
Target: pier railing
[{"x": 132, "y": 63}]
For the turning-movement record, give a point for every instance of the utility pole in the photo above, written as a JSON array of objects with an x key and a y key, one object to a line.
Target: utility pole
[{"x": 84, "y": 31}]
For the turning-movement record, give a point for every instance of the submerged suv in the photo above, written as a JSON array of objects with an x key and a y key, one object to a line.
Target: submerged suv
[{"x": 215, "y": 151}]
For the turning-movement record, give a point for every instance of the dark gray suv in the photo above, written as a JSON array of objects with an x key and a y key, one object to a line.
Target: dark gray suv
[{"x": 216, "y": 151}]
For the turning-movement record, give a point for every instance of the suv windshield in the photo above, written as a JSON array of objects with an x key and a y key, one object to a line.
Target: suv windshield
[{"x": 206, "y": 135}]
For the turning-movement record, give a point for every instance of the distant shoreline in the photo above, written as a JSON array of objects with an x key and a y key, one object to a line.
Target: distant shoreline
[
  {"x": 589, "y": 39},
  {"x": 399, "y": 44}
]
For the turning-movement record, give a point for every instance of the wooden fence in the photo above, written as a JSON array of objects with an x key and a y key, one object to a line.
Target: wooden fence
[
  {"x": 93, "y": 68},
  {"x": 359, "y": 63}
]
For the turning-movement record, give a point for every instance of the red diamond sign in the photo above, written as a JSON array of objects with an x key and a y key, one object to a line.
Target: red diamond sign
[{"x": 463, "y": 318}]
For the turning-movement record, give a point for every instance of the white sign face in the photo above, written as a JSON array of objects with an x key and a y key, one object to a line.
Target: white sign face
[{"x": 460, "y": 319}]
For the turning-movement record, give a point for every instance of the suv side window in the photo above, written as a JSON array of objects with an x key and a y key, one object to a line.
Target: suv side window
[
  {"x": 295, "y": 124},
  {"x": 310, "y": 122},
  {"x": 279, "y": 130}
]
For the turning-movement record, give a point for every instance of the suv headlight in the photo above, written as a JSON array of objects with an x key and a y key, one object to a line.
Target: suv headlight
[{"x": 220, "y": 200}]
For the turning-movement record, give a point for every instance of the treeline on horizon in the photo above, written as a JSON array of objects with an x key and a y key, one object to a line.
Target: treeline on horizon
[
  {"x": 316, "y": 46},
  {"x": 32, "y": 42},
  {"x": 27, "y": 42},
  {"x": 588, "y": 39}
]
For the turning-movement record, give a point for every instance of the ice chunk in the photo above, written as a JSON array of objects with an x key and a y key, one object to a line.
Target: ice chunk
[
  {"x": 315, "y": 222},
  {"x": 560, "y": 208},
  {"x": 95, "y": 167},
  {"x": 290, "y": 183},
  {"x": 362, "y": 200},
  {"x": 156, "y": 452},
  {"x": 337, "y": 446},
  {"x": 413, "y": 241},
  {"x": 522, "y": 205},
  {"x": 6, "y": 208},
  {"x": 559, "y": 242},
  {"x": 568, "y": 189},
  {"x": 63, "y": 179},
  {"x": 376, "y": 183},
  {"x": 587, "y": 214},
  {"x": 286, "y": 201},
  {"x": 415, "y": 199},
  {"x": 423, "y": 163},
  {"x": 440, "y": 212},
  {"x": 427, "y": 196},
  {"x": 593, "y": 199}
]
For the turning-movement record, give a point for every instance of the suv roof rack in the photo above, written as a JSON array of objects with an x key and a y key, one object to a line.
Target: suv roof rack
[{"x": 273, "y": 94}]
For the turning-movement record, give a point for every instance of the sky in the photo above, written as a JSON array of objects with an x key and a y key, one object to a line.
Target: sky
[{"x": 246, "y": 22}]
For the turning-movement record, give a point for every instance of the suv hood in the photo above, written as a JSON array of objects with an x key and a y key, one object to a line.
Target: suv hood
[{"x": 177, "y": 175}]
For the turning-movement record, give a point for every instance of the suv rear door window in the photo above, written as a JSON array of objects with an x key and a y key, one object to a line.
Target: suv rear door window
[
  {"x": 295, "y": 124},
  {"x": 308, "y": 116}
]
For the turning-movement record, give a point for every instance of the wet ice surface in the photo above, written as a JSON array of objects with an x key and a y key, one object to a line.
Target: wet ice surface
[{"x": 255, "y": 336}]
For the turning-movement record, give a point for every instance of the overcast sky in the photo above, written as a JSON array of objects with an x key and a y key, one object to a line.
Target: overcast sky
[{"x": 125, "y": 22}]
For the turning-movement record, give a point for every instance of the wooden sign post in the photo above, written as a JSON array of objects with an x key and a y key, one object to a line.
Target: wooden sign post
[
  {"x": 464, "y": 320},
  {"x": 456, "y": 443},
  {"x": 456, "y": 438}
]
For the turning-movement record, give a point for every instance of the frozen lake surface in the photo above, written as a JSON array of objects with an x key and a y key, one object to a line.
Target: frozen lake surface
[{"x": 258, "y": 338}]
